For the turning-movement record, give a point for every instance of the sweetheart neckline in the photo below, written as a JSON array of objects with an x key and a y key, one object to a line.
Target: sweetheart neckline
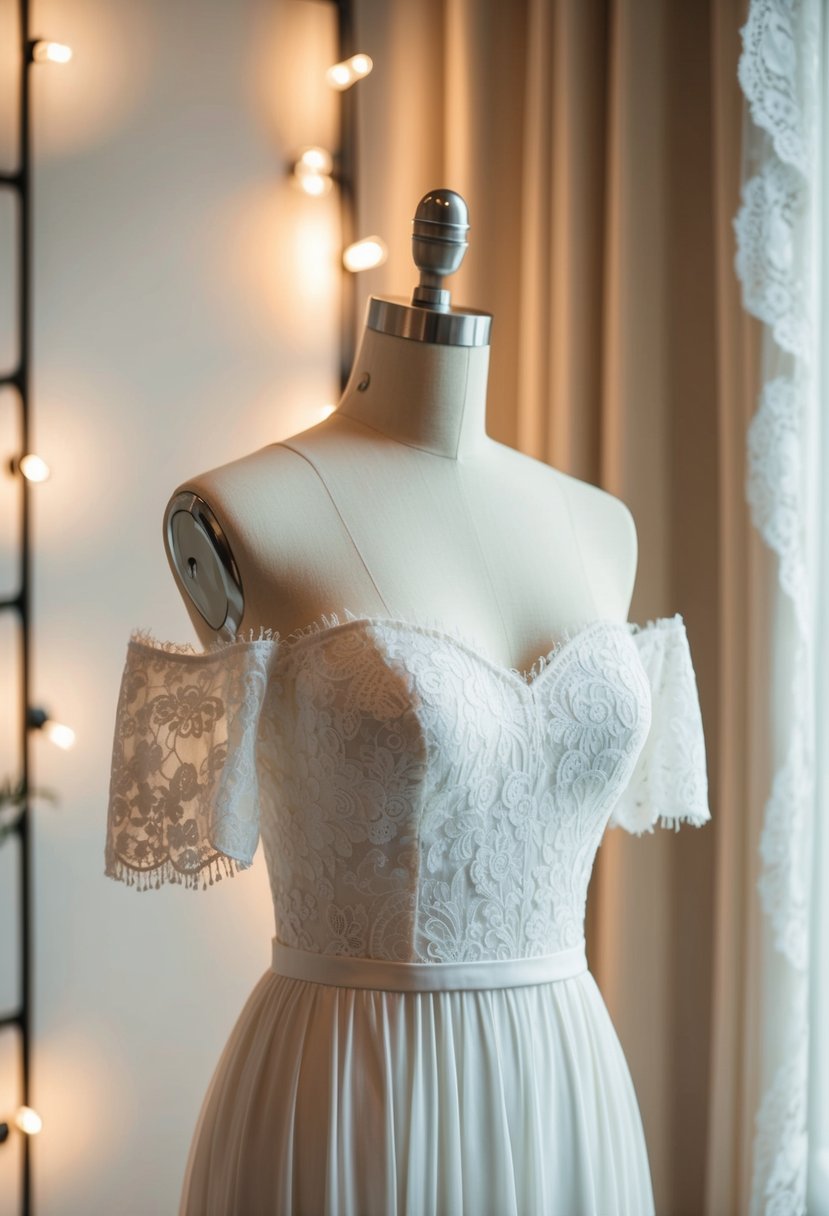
[
  {"x": 546, "y": 661},
  {"x": 313, "y": 630}
]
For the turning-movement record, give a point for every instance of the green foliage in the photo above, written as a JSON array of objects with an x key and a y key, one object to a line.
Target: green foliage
[{"x": 12, "y": 800}]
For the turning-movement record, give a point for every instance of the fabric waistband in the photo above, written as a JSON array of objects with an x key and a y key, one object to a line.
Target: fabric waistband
[{"x": 346, "y": 971}]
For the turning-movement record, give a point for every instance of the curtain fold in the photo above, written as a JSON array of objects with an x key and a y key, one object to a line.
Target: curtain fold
[
  {"x": 747, "y": 581},
  {"x": 597, "y": 143}
]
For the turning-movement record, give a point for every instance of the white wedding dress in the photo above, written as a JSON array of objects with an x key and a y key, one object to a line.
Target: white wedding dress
[{"x": 428, "y": 1039}]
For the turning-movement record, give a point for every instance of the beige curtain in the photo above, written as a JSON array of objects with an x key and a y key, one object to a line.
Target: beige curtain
[
  {"x": 747, "y": 592},
  {"x": 597, "y": 143}
]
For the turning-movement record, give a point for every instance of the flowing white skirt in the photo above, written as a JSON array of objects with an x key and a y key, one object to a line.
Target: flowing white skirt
[{"x": 344, "y": 1101}]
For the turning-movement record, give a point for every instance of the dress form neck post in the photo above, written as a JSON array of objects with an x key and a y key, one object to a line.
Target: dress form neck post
[
  {"x": 427, "y": 395},
  {"x": 420, "y": 373}
]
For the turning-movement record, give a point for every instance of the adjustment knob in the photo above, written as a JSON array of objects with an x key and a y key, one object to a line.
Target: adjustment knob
[{"x": 439, "y": 229}]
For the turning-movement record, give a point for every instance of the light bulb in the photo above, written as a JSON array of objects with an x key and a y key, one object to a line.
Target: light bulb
[
  {"x": 61, "y": 735},
  {"x": 326, "y": 411},
  {"x": 314, "y": 184},
  {"x": 33, "y": 468},
  {"x": 343, "y": 75},
  {"x": 312, "y": 171},
  {"x": 28, "y": 1120},
  {"x": 51, "y": 52},
  {"x": 365, "y": 254},
  {"x": 361, "y": 65},
  {"x": 316, "y": 160}
]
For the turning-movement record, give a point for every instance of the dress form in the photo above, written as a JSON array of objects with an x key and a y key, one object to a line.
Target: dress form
[{"x": 400, "y": 505}]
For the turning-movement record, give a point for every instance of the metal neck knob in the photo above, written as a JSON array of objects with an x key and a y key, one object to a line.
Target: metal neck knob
[{"x": 439, "y": 243}]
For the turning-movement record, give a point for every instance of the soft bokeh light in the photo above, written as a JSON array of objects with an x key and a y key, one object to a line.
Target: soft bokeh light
[
  {"x": 82, "y": 1063},
  {"x": 51, "y": 52},
  {"x": 28, "y": 1120},
  {"x": 326, "y": 411},
  {"x": 294, "y": 46},
  {"x": 97, "y": 444},
  {"x": 34, "y": 468},
  {"x": 312, "y": 171},
  {"x": 60, "y": 734},
  {"x": 280, "y": 261},
  {"x": 344, "y": 75},
  {"x": 314, "y": 184},
  {"x": 196, "y": 287},
  {"x": 365, "y": 254},
  {"x": 315, "y": 160},
  {"x": 118, "y": 46}
]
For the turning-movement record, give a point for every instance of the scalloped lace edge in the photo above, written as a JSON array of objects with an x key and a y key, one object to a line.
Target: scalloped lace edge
[
  {"x": 212, "y": 871},
  {"x": 778, "y": 199}
]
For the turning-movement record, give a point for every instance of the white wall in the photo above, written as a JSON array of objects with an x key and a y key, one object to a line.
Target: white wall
[{"x": 185, "y": 313}]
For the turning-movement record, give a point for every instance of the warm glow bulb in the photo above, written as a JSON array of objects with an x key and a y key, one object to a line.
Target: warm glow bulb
[
  {"x": 327, "y": 411},
  {"x": 61, "y": 736},
  {"x": 361, "y": 65},
  {"x": 365, "y": 254},
  {"x": 316, "y": 160},
  {"x": 28, "y": 1120},
  {"x": 339, "y": 76},
  {"x": 343, "y": 75},
  {"x": 34, "y": 468},
  {"x": 312, "y": 171},
  {"x": 51, "y": 52},
  {"x": 314, "y": 184}
]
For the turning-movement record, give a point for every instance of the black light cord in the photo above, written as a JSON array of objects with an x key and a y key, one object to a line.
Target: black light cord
[
  {"x": 18, "y": 379},
  {"x": 345, "y": 175},
  {"x": 19, "y": 182}
]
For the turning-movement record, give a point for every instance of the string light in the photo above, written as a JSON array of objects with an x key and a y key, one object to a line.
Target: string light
[
  {"x": 33, "y": 467},
  {"x": 34, "y": 51},
  {"x": 50, "y": 52},
  {"x": 61, "y": 735},
  {"x": 371, "y": 251},
  {"x": 57, "y": 732},
  {"x": 316, "y": 160},
  {"x": 312, "y": 171},
  {"x": 28, "y": 1120},
  {"x": 343, "y": 75}
]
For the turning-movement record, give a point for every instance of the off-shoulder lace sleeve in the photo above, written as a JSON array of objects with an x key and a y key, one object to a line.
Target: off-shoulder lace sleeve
[
  {"x": 184, "y": 796},
  {"x": 669, "y": 783}
]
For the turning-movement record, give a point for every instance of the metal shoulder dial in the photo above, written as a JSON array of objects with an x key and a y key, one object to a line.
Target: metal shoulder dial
[
  {"x": 439, "y": 243},
  {"x": 200, "y": 555}
]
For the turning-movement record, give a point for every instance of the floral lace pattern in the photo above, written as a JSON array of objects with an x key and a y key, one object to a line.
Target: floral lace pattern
[
  {"x": 416, "y": 801},
  {"x": 670, "y": 775},
  {"x": 777, "y": 258},
  {"x": 183, "y": 799}
]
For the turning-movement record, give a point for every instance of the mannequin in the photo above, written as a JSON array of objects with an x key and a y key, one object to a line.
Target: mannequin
[
  {"x": 399, "y": 504},
  {"x": 429, "y": 821}
]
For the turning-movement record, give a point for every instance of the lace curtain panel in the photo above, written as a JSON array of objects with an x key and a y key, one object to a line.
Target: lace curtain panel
[{"x": 778, "y": 263}]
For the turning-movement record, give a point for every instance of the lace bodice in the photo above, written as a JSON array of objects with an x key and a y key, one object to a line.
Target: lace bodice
[{"x": 415, "y": 800}]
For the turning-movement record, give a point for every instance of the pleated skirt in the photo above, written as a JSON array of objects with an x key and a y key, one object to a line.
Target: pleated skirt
[{"x": 342, "y": 1101}]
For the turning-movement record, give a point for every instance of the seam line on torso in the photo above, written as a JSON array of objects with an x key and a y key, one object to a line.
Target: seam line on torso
[{"x": 285, "y": 444}]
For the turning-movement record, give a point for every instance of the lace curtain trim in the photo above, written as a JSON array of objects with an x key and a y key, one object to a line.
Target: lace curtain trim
[{"x": 775, "y": 261}]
